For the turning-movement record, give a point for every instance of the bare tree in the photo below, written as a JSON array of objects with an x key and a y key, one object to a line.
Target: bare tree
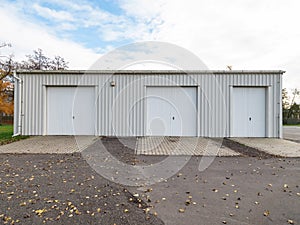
[
  {"x": 58, "y": 63},
  {"x": 290, "y": 109},
  {"x": 293, "y": 108},
  {"x": 37, "y": 61},
  {"x": 6, "y": 62}
]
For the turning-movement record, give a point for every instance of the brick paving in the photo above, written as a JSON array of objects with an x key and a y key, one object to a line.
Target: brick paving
[{"x": 182, "y": 146}]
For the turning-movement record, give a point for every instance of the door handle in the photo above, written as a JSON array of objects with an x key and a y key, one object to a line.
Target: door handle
[
  {"x": 173, "y": 118},
  {"x": 73, "y": 117},
  {"x": 249, "y": 118}
]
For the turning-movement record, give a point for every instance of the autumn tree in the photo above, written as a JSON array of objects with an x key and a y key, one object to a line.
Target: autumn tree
[
  {"x": 6, "y": 87},
  {"x": 6, "y": 98}
]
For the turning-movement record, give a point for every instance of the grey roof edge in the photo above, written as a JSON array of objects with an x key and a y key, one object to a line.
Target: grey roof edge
[{"x": 150, "y": 72}]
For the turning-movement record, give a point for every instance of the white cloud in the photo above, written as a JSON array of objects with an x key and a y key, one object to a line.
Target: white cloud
[
  {"x": 31, "y": 36},
  {"x": 53, "y": 14},
  {"x": 67, "y": 27},
  {"x": 110, "y": 27},
  {"x": 246, "y": 34},
  {"x": 142, "y": 9}
]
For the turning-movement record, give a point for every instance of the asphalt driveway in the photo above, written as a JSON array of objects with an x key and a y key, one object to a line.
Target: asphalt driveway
[
  {"x": 63, "y": 189},
  {"x": 69, "y": 188},
  {"x": 291, "y": 133},
  {"x": 232, "y": 190},
  {"x": 227, "y": 190}
]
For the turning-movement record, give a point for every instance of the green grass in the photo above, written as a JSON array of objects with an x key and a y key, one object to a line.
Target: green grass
[
  {"x": 289, "y": 125},
  {"x": 6, "y": 132}
]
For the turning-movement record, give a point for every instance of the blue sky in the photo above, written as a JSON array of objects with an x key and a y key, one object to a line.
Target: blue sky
[{"x": 248, "y": 34}]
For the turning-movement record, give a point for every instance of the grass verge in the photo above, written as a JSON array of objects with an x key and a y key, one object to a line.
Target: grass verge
[{"x": 6, "y": 132}]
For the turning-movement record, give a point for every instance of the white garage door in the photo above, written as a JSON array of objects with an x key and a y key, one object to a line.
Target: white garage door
[
  {"x": 171, "y": 111},
  {"x": 70, "y": 111},
  {"x": 249, "y": 112}
]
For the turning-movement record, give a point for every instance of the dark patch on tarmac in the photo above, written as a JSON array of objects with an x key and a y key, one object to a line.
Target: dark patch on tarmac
[{"x": 246, "y": 150}]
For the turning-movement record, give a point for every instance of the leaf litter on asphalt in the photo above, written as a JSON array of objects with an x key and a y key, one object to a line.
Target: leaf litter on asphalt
[{"x": 45, "y": 190}]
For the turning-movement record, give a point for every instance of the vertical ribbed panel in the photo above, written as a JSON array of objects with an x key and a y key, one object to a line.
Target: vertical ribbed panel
[{"x": 121, "y": 109}]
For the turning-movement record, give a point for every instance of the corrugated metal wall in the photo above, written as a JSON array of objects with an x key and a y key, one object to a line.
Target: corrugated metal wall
[{"x": 122, "y": 112}]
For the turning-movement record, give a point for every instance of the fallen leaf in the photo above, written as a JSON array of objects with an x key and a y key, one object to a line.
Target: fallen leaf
[
  {"x": 181, "y": 210},
  {"x": 39, "y": 212},
  {"x": 187, "y": 202},
  {"x": 147, "y": 210},
  {"x": 290, "y": 221},
  {"x": 6, "y": 218},
  {"x": 149, "y": 190},
  {"x": 266, "y": 213}
]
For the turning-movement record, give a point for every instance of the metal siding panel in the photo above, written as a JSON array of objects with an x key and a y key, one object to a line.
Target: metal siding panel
[{"x": 210, "y": 123}]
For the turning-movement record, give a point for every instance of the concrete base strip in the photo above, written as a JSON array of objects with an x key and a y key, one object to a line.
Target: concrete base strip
[{"x": 49, "y": 144}]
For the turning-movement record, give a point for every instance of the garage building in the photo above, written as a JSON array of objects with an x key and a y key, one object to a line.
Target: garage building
[{"x": 149, "y": 103}]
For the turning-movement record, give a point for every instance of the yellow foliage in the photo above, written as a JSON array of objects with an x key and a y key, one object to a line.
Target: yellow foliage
[{"x": 6, "y": 105}]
